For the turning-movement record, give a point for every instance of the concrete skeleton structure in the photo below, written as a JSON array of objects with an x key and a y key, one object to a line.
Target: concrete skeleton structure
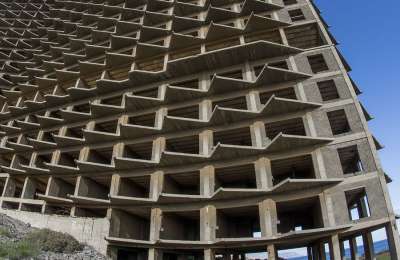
[{"x": 203, "y": 129}]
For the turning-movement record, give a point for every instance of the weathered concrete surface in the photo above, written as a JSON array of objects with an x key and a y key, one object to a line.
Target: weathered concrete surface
[{"x": 90, "y": 231}]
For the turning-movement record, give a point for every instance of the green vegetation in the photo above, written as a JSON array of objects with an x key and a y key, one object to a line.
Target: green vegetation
[
  {"x": 53, "y": 241},
  {"x": 383, "y": 256},
  {"x": 18, "y": 250},
  {"x": 4, "y": 232},
  {"x": 36, "y": 241}
]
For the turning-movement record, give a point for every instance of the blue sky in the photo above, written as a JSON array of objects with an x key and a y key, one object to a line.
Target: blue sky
[{"x": 369, "y": 37}]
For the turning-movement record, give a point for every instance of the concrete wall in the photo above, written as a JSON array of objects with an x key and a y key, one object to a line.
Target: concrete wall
[{"x": 86, "y": 230}]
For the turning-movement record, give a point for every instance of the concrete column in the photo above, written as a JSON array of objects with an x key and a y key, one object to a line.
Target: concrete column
[
  {"x": 160, "y": 114},
  {"x": 205, "y": 110},
  {"x": 158, "y": 148},
  {"x": 393, "y": 239},
  {"x": 206, "y": 142},
  {"x": 209, "y": 254},
  {"x": 156, "y": 184},
  {"x": 353, "y": 248},
  {"x": 334, "y": 247},
  {"x": 263, "y": 173},
  {"x": 268, "y": 218},
  {"x": 253, "y": 101},
  {"x": 207, "y": 181},
  {"x": 154, "y": 254},
  {"x": 272, "y": 253},
  {"x": 208, "y": 222},
  {"x": 115, "y": 182},
  {"x": 155, "y": 225},
  {"x": 368, "y": 246},
  {"x": 258, "y": 135}
]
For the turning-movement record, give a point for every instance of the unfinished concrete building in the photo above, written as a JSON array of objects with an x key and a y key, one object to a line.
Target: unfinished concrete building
[{"x": 197, "y": 129}]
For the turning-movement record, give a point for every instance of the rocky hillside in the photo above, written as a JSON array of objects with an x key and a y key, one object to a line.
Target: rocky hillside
[{"x": 19, "y": 240}]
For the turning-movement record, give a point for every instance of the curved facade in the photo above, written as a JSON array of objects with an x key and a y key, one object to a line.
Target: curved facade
[{"x": 204, "y": 129}]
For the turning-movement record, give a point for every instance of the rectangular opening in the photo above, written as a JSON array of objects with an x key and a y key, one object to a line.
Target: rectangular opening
[
  {"x": 107, "y": 126},
  {"x": 138, "y": 186},
  {"x": 281, "y": 93},
  {"x": 296, "y": 15},
  {"x": 47, "y": 136},
  {"x": 90, "y": 81},
  {"x": 61, "y": 187},
  {"x": 187, "y": 144},
  {"x": 31, "y": 207},
  {"x": 100, "y": 155},
  {"x": 121, "y": 73},
  {"x": 240, "y": 136},
  {"x": 153, "y": 92},
  {"x": 222, "y": 44},
  {"x": 42, "y": 159},
  {"x": 69, "y": 158},
  {"x": 181, "y": 225},
  {"x": 317, "y": 63},
  {"x": 174, "y": 254},
  {"x": 279, "y": 64},
  {"x": 112, "y": 101},
  {"x": 185, "y": 52},
  {"x": 82, "y": 108},
  {"x": 357, "y": 204},
  {"x": 338, "y": 122},
  {"x": 291, "y": 127},
  {"x": 182, "y": 183},
  {"x": 238, "y": 222},
  {"x": 234, "y": 74},
  {"x": 236, "y": 103},
  {"x": 350, "y": 160},
  {"x": 142, "y": 151},
  {"x": 143, "y": 120},
  {"x": 95, "y": 187},
  {"x": 132, "y": 253},
  {"x": 269, "y": 36},
  {"x": 57, "y": 210},
  {"x": 132, "y": 224},
  {"x": 187, "y": 112},
  {"x": 239, "y": 176},
  {"x": 155, "y": 64},
  {"x": 75, "y": 132},
  {"x": 300, "y": 167},
  {"x": 307, "y": 211},
  {"x": 191, "y": 83},
  {"x": 289, "y": 2},
  {"x": 90, "y": 212},
  {"x": 328, "y": 90},
  {"x": 304, "y": 36}
]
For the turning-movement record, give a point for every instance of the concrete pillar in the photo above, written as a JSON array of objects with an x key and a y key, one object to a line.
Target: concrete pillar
[
  {"x": 156, "y": 184},
  {"x": 158, "y": 149},
  {"x": 207, "y": 181},
  {"x": 206, "y": 142},
  {"x": 272, "y": 253},
  {"x": 205, "y": 110},
  {"x": 268, "y": 218},
  {"x": 253, "y": 101},
  {"x": 209, "y": 254},
  {"x": 334, "y": 247},
  {"x": 155, "y": 225},
  {"x": 258, "y": 136},
  {"x": 208, "y": 222},
  {"x": 368, "y": 246},
  {"x": 154, "y": 254},
  {"x": 353, "y": 248},
  {"x": 393, "y": 240},
  {"x": 263, "y": 173},
  {"x": 160, "y": 114}
]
